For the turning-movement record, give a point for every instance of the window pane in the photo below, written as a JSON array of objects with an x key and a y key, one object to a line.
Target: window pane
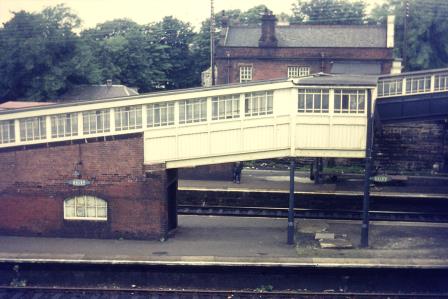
[
  {"x": 101, "y": 212},
  {"x": 325, "y": 101},
  {"x": 309, "y": 103},
  {"x": 90, "y": 212},
  {"x": 69, "y": 211},
  {"x": 85, "y": 207},
  {"x": 361, "y": 103}
]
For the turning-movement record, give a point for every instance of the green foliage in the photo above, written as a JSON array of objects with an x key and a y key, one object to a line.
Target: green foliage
[
  {"x": 177, "y": 36},
  {"x": 329, "y": 12},
  {"x": 427, "y": 37},
  {"x": 128, "y": 53},
  {"x": 39, "y": 55},
  {"x": 252, "y": 15}
]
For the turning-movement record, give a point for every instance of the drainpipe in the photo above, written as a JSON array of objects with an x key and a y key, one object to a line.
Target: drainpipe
[{"x": 322, "y": 62}]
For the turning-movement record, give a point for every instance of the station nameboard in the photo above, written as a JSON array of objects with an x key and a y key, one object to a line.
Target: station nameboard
[{"x": 78, "y": 182}]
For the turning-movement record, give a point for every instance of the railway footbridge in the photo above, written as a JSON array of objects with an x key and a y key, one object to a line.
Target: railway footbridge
[{"x": 108, "y": 168}]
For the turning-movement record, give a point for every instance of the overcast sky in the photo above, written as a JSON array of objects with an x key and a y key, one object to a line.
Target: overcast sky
[{"x": 141, "y": 11}]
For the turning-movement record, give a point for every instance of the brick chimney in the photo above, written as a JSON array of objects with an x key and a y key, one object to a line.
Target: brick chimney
[
  {"x": 224, "y": 20},
  {"x": 268, "y": 39}
]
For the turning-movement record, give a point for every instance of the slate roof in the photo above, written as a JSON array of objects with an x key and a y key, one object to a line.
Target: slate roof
[
  {"x": 97, "y": 92},
  {"x": 10, "y": 105},
  {"x": 338, "y": 80},
  {"x": 309, "y": 36}
]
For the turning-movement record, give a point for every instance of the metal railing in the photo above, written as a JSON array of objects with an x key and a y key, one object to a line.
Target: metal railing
[{"x": 413, "y": 83}]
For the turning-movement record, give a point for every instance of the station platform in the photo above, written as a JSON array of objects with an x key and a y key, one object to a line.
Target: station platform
[
  {"x": 232, "y": 241},
  {"x": 277, "y": 181}
]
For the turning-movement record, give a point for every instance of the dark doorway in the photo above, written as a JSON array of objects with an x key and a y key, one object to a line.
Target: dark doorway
[{"x": 171, "y": 194}]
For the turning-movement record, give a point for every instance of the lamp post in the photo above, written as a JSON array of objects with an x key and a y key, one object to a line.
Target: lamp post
[
  {"x": 212, "y": 42},
  {"x": 291, "y": 203}
]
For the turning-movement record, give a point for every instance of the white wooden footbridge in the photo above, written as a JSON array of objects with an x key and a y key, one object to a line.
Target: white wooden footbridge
[{"x": 316, "y": 116}]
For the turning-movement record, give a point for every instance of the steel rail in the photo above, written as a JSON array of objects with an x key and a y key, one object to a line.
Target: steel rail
[
  {"x": 94, "y": 292},
  {"x": 310, "y": 213}
]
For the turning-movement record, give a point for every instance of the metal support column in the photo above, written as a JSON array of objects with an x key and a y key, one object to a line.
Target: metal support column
[
  {"x": 291, "y": 203},
  {"x": 368, "y": 170}
]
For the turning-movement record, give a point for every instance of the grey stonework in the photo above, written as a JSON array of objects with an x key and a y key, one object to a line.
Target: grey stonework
[{"x": 412, "y": 147}]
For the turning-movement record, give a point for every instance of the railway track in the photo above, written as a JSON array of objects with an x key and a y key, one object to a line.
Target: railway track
[
  {"x": 311, "y": 213},
  {"x": 159, "y": 293}
]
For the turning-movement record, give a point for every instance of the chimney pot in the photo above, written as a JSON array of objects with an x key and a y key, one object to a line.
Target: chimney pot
[{"x": 268, "y": 38}]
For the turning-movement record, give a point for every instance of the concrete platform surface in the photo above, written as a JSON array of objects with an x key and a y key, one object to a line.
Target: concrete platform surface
[
  {"x": 351, "y": 184},
  {"x": 231, "y": 241}
]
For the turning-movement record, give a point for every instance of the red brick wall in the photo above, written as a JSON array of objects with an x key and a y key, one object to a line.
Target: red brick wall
[
  {"x": 272, "y": 63},
  {"x": 219, "y": 172},
  {"x": 33, "y": 186}
]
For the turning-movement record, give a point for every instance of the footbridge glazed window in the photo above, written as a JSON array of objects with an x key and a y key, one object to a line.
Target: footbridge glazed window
[
  {"x": 128, "y": 118},
  {"x": 7, "y": 131},
  {"x": 32, "y": 128},
  {"x": 85, "y": 207},
  {"x": 313, "y": 100},
  {"x": 390, "y": 87},
  {"x": 441, "y": 81},
  {"x": 160, "y": 114},
  {"x": 258, "y": 103},
  {"x": 225, "y": 107},
  {"x": 96, "y": 121},
  {"x": 349, "y": 100},
  {"x": 192, "y": 111},
  {"x": 64, "y": 125}
]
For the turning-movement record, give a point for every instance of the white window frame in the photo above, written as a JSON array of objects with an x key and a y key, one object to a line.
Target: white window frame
[
  {"x": 418, "y": 84},
  {"x": 33, "y": 128},
  {"x": 128, "y": 118},
  {"x": 226, "y": 107},
  {"x": 390, "y": 87},
  {"x": 7, "y": 131},
  {"x": 354, "y": 98},
  {"x": 441, "y": 82},
  {"x": 192, "y": 111},
  {"x": 160, "y": 114},
  {"x": 298, "y": 71},
  {"x": 85, "y": 207},
  {"x": 313, "y": 100},
  {"x": 96, "y": 121},
  {"x": 246, "y": 73},
  {"x": 64, "y": 125},
  {"x": 258, "y": 103}
]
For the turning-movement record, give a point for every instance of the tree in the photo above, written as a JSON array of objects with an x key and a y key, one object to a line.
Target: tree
[
  {"x": 329, "y": 12},
  {"x": 426, "y": 36},
  {"x": 39, "y": 55},
  {"x": 129, "y": 53},
  {"x": 177, "y": 37},
  {"x": 252, "y": 15}
]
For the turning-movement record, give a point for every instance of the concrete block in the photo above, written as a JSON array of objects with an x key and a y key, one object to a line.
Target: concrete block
[{"x": 324, "y": 235}]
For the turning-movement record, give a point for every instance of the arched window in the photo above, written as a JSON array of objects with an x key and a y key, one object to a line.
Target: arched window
[{"x": 85, "y": 207}]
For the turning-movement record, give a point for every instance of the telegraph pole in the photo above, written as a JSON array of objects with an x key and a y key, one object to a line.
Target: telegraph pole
[
  {"x": 212, "y": 41},
  {"x": 405, "y": 33}
]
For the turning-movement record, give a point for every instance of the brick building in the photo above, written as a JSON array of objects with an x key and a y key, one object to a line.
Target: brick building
[
  {"x": 52, "y": 190},
  {"x": 272, "y": 51}
]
